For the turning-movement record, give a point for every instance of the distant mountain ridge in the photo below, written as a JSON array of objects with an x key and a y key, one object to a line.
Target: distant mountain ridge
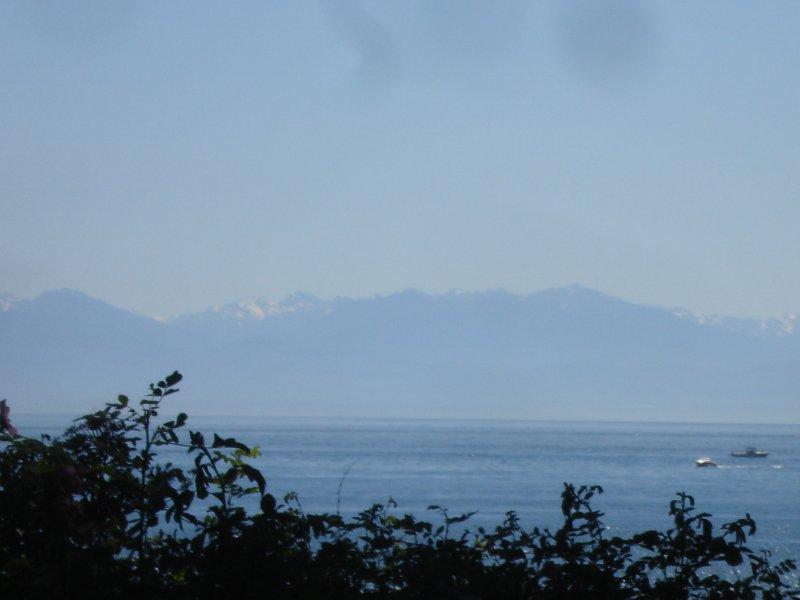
[
  {"x": 258, "y": 309},
  {"x": 563, "y": 353}
]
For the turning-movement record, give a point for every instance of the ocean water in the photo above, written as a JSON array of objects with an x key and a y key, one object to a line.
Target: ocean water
[{"x": 495, "y": 466}]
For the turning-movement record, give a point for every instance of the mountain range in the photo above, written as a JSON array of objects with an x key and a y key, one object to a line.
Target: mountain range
[{"x": 566, "y": 353}]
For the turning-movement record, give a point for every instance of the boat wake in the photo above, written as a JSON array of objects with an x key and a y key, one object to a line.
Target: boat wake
[{"x": 749, "y": 466}]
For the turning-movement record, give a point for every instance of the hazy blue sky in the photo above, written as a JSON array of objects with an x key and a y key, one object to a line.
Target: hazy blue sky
[{"x": 165, "y": 156}]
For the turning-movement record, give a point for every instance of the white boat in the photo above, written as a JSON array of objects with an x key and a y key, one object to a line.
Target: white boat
[
  {"x": 750, "y": 452},
  {"x": 705, "y": 462}
]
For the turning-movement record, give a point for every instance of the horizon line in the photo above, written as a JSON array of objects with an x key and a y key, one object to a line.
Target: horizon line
[{"x": 471, "y": 419}]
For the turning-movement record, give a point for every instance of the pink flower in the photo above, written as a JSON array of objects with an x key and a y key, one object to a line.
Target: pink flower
[{"x": 5, "y": 424}]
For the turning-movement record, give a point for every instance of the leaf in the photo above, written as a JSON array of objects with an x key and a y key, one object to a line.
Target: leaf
[
  {"x": 380, "y": 543},
  {"x": 197, "y": 438},
  {"x": 230, "y": 475},
  {"x": 229, "y": 443},
  {"x": 268, "y": 503},
  {"x": 200, "y": 485},
  {"x": 649, "y": 539},
  {"x": 707, "y": 528},
  {"x": 173, "y": 379},
  {"x": 459, "y": 519},
  {"x": 732, "y": 556},
  {"x": 255, "y": 475}
]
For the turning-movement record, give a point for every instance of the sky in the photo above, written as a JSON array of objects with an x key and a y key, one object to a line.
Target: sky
[{"x": 169, "y": 156}]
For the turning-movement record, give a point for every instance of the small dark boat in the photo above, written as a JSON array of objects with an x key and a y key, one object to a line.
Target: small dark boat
[{"x": 750, "y": 452}]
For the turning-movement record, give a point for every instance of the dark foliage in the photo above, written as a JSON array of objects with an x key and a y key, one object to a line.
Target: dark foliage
[{"x": 94, "y": 513}]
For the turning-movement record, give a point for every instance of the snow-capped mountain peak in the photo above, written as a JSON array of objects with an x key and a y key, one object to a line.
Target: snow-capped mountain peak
[
  {"x": 774, "y": 327},
  {"x": 259, "y": 309},
  {"x": 7, "y": 301}
]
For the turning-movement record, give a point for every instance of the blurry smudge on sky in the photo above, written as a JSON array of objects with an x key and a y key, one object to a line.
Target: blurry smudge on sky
[
  {"x": 607, "y": 41},
  {"x": 377, "y": 64}
]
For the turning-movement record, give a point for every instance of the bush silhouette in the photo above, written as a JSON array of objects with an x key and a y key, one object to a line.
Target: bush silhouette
[{"x": 95, "y": 513}]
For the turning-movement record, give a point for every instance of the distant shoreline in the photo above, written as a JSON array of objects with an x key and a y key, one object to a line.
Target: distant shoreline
[{"x": 22, "y": 417}]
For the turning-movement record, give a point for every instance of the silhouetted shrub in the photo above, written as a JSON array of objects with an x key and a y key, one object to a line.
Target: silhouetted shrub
[{"x": 94, "y": 513}]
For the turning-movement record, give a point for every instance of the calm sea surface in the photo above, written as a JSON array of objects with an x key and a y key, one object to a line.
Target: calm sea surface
[{"x": 492, "y": 467}]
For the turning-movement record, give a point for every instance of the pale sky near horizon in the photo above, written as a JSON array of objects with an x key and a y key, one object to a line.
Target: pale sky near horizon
[{"x": 166, "y": 157}]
